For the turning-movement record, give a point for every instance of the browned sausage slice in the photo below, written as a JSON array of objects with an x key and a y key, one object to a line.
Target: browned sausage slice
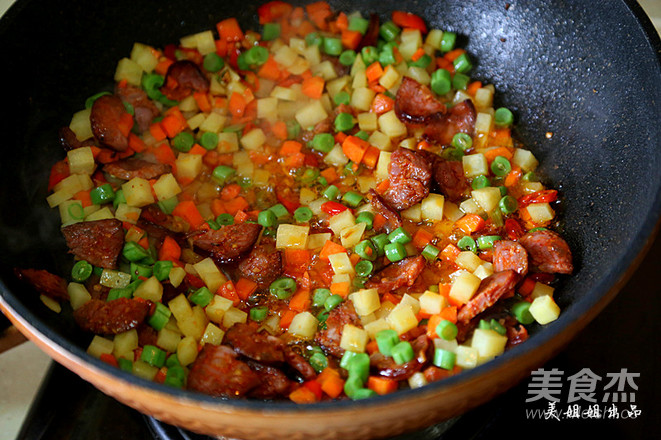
[
  {"x": 459, "y": 119},
  {"x": 229, "y": 242},
  {"x": 131, "y": 168},
  {"x": 415, "y": 102},
  {"x": 393, "y": 220},
  {"x": 410, "y": 175},
  {"x": 143, "y": 108},
  {"x": 99, "y": 242},
  {"x": 106, "y": 119},
  {"x": 548, "y": 251},
  {"x": 300, "y": 364},
  {"x": 387, "y": 367},
  {"x": 330, "y": 337},
  {"x": 273, "y": 382},
  {"x": 218, "y": 372},
  {"x": 449, "y": 176},
  {"x": 396, "y": 275},
  {"x": 261, "y": 347},
  {"x": 510, "y": 255},
  {"x": 106, "y": 318},
  {"x": 490, "y": 291},
  {"x": 263, "y": 265},
  {"x": 44, "y": 282},
  {"x": 187, "y": 76}
]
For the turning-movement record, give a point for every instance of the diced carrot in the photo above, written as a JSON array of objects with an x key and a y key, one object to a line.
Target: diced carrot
[
  {"x": 418, "y": 54},
  {"x": 228, "y": 291},
  {"x": 513, "y": 177},
  {"x": 217, "y": 207},
  {"x": 390, "y": 298},
  {"x": 84, "y": 197},
  {"x": 315, "y": 387},
  {"x": 136, "y": 144},
  {"x": 493, "y": 153},
  {"x": 372, "y": 347},
  {"x": 442, "y": 63},
  {"x": 157, "y": 132},
  {"x": 198, "y": 149},
  {"x": 287, "y": 318},
  {"x": 374, "y": 72},
  {"x": 313, "y": 87},
  {"x": 219, "y": 102},
  {"x": 269, "y": 70},
  {"x": 301, "y": 301},
  {"x": 171, "y": 126},
  {"x": 351, "y": 39},
  {"x": 333, "y": 386},
  {"x": 240, "y": 216},
  {"x": 342, "y": 22},
  {"x": 221, "y": 47},
  {"x": 432, "y": 323},
  {"x": 450, "y": 253},
  {"x": 473, "y": 87},
  {"x": 245, "y": 288},
  {"x": 296, "y": 260},
  {"x": 422, "y": 238},
  {"x": 330, "y": 248},
  {"x": 237, "y": 104},
  {"x": 230, "y": 191},
  {"x": 235, "y": 205},
  {"x": 164, "y": 154},
  {"x": 318, "y": 13},
  {"x": 144, "y": 242},
  {"x": 169, "y": 250},
  {"x": 187, "y": 210},
  {"x": 295, "y": 160},
  {"x": 382, "y": 104},
  {"x": 383, "y": 186},
  {"x": 259, "y": 158},
  {"x": 161, "y": 375},
  {"x": 355, "y": 258},
  {"x": 379, "y": 221},
  {"x": 527, "y": 286},
  {"x": 371, "y": 157},
  {"x": 229, "y": 30},
  {"x": 125, "y": 124},
  {"x": 202, "y": 100},
  {"x": 59, "y": 171},
  {"x": 454, "y": 54},
  {"x": 449, "y": 314},
  {"x": 341, "y": 288},
  {"x": 279, "y": 129},
  {"x": 354, "y": 148},
  {"x": 381, "y": 385},
  {"x": 109, "y": 359},
  {"x": 329, "y": 174},
  {"x": 273, "y": 11},
  {"x": 290, "y": 148},
  {"x": 470, "y": 223},
  {"x": 306, "y": 27},
  {"x": 163, "y": 66}
]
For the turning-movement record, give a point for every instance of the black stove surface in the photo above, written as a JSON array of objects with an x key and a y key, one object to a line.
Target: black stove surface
[{"x": 624, "y": 335}]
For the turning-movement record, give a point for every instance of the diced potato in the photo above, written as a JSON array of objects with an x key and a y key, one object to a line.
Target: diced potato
[
  {"x": 260, "y": 178},
  {"x": 541, "y": 289},
  {"x": 446, "y": 345},
  {"x": 483, "y": 98},
  {"x": 464, "y": 287},
  {"x": 390, "y": 77},
  {"x": 544, "y": 309},
  {"x": 461, "y": 96},
  {"x": 414, "y": 213},
  {"x": 213, "y": 123},
  {"x": 99, "y": 346},
  {"x": 142, "y": 55},
  {"x": 466, "y": 357},
  {"x": 434, "y": 38},
  {"x": 367, "y": 121},
  {"x": 144, "y": 370},
  {"x": 340, "y": 278},
  {"x": 313, "y": 56},
  {"x": 315, "y": 207},
  {"x": 354, "y": 338},
  {"x": 234, "y": 316},
  {"x": 488, "y": 343},
  {"x": 359, "y": 80},
  {"x": 484, "y": 270},
  {"x": 124, "y": 344},
  {"x": 210, "y": 274},
  {"x": 362, "y": 98},
  {"x": 195, "y": 324},
  {"x": 432, "y": 208},
  {"x": 382, "y": 165},
  {"x": 390, "y": 124},
  {"x": 411, "y": 41},
  {"x": 531, "y": 187},
  {"x": 254, "y": 139},
  {"x": 410, "y": 301},
  {"x": 366, "y": 301},
  {"x": 127, "y": 213},
  {"x": 419, "y": 74},
  {"x": 365, "y": 183},
  {"x": 129, "y": 70},
  {"x": 335, "y": 86},
  {"x": 213, "y": 335},
  {"x": 151, "y": 290},
  {"x": 487, "y": 198},
  {"x": 451, "y": 211},
  {"x": 341, "y": 264},
  {"x": 216, "y": 309},
  {"x": 196, "y": 121},
  {"x": 177, "y": 275},
  {"x": 311, "y": 114},
  {"x": 80, "y": 124},
  {"x": 483, "y": 123},
  {"x": 180, "y": 307},
  {"x": 188, "y": 166},
  {"x": 291, "y": 236},
  {"x": 50, "y": 303},
  {"x": 166, "y": 187},
  {"x": 101, "y": 214},
  {"x": 524, "y": 159},
  {"x": 374, "y": 327},
  {"x": 352, "y": 235},
  {"x": 341, "y": 221},
  {"x": 74, "y": 183},
  {"x": 468, "y": 260},
  {"x": 475, "y": 165},
  {"x": 307, "y": 195},
  {"x": 188, "y": 104},
  {"x": 304, "y": 325},
  {"x": 114, "y": 279},
  {"x": 168, "y": 339},
  {"x": 540, "y": 212},
  {"x": 402, "y": 319},
  {"x": 384, "y": 310},
  {"x": 187, "y": 351},
  {"x": 381, "y": 141},
  {"x": 336, "y": 157},
  {"x": 469, "y": 206},
  {"x": 284, "y": 93},
  {"x": 316, "y": 241},
  {"x": 417, "y": 380},
  {"x": 81, "y": 161},
  {"x": 267, "y": 108},
  {"x": 137, "y": 192},
  {"x": 432, "y": 303},
  {"x": 78, "y": 295},
  {"x": 325, "y": 69},
  {"x": 71, "y": 211}
]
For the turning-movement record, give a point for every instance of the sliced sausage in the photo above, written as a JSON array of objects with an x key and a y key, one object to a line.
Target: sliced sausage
[
  {"x": 415, "y": 102},
  {"x": 218, "y": 372},
  {"x": 131, "y": 168},
  {"x": 44, "y": 282},
  {"x": 458, "y": 119},
  {"x": 300, "y": 364},
  {"x": 410, "y": 176},
  {"x": 111, "y": 318},
  {"x": 449, "y": 176},
  {"x": 261, "y": 347},
  {"x": 387, "y": 367},
  {"x": 186, "y": 76},
  {"x": 396, "y": 275},
  {"x": 371, "y": 36},
  {"x": 106, "y": 119},
  {"x": 273, "y": 383},
  {"x": 490, "y": 291},
  {"x": 393, "y": 220},
  {"x": 69, "y": 141},
  {"x": 330, "y": 337},
  {"x": 263, "y": 265},
  {"x": 143, "y": 108},
  {"x": 229, "y": 242},
  {"x": 516, "y": 332},
  {"x": 548, "y": 251},
  {"x": 99, "y": 242},
  {"x": 510, "y": 255}
]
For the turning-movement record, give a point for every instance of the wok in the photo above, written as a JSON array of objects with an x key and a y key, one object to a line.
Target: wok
[{"x": 587, "y": 73}]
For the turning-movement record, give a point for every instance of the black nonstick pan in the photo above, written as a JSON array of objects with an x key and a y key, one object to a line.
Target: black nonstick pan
[{"x": 583, "y": 79}]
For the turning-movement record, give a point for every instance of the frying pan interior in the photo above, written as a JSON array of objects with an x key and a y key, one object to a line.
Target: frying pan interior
[{"x": 581, "y": 77}]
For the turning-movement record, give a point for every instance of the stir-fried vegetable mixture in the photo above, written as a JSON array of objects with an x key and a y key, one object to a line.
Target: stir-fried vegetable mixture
[{"x": 329, "y": 209}]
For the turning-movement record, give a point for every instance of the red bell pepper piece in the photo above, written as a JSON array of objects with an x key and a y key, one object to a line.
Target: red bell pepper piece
[
  {"x": 333, "y": 208},
  {"x": 408, "y": 20}
]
